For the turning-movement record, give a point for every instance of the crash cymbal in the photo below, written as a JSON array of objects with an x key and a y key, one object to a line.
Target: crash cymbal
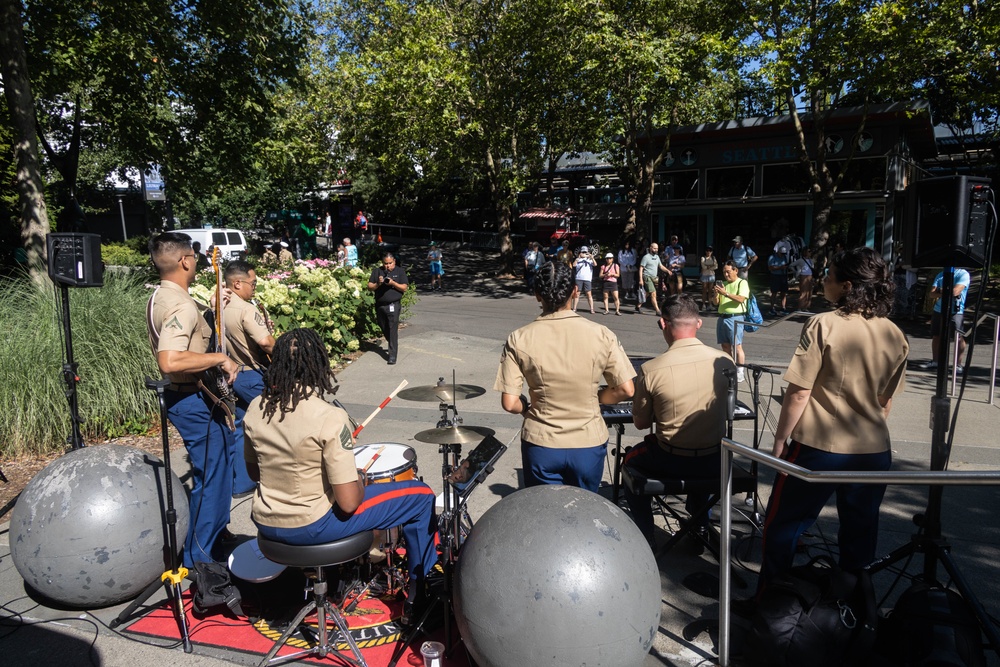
[
  {"x": 454, "y": 435},
  {"x": 441, "y": 394}
]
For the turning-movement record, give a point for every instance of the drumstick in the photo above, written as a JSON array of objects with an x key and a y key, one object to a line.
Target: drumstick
[
  {"x": 378, "y": 453},
  {"x": 379, "y": 408}
]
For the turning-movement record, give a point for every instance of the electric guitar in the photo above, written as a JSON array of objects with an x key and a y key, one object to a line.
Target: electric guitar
[{"x": 213, "y": 381}]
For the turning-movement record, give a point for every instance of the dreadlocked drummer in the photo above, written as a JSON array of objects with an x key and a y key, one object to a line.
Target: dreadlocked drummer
[
  {"x": 300, "y": 449},
  {"x": 180, "y": 336},
  {"x": 563, "y": 358}
]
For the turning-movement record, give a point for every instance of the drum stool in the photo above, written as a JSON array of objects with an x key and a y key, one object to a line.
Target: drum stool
[
  {"x": 313, "y": 558},
  {"x": 642, "y": 485}
]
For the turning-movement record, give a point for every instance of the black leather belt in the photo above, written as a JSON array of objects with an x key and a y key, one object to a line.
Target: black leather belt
[
  {"x": 183, "y": 387},
  {"x": 688, "y": 452}
]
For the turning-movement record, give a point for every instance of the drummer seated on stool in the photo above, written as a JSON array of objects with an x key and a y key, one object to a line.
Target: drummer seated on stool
[
  {"x": 301, "y": 450},
  {"x": 683, "y": 392}
]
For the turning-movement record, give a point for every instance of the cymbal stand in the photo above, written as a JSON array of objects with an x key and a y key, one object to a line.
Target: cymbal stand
[{"x": 448, "y": 526}]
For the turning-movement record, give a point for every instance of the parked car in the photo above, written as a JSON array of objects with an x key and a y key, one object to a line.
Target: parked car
[{"x": 232, "y": 244}]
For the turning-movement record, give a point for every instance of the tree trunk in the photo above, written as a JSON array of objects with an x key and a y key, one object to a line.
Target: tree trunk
[
  {"x": 502, "y": 212},
  {"x": 17, "y": 90}
]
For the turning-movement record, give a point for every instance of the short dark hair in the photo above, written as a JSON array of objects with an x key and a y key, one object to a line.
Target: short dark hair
[
  {"x": 387, "y": 255},
  {"x": 872, "y": 290},
  {"x": 679, "y": 307},
  {"x": 167, "y": 243},
  {"x": 238, "y": 267},
  {"x": 554, "y": 284}
]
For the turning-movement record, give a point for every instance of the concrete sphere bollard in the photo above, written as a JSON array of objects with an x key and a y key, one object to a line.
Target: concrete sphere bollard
[
  {"x": 88, "y": 530},
  {"x": 556, "y": 575}
]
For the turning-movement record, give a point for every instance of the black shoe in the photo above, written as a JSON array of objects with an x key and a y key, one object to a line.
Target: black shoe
[
  {"x": 392, "y": 361},
  {"x": 416, "y": 603}
]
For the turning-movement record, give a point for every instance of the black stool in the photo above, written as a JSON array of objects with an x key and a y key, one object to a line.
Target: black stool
[
  {"x": 315, "y": 557},
  {"x": 642, "y": 485}
]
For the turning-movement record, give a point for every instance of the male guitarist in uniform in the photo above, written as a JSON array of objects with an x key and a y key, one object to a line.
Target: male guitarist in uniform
[
  {"x": 250, "y": 343},
  {"x": 180, "y": 336}
]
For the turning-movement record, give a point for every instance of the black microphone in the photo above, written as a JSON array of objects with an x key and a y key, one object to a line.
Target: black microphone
[{"x": 760, "y": 369}]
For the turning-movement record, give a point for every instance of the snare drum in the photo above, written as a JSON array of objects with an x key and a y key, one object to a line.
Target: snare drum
[{"x": 396, "y": 463}]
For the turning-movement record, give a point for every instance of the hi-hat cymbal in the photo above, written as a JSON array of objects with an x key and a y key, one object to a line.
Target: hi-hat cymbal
[
  {"x": 454, "y": 435},
  {"x": 441, "y": 394}
]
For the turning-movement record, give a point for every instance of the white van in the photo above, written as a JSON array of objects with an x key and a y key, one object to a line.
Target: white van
[{"x": 230, "y": 242}]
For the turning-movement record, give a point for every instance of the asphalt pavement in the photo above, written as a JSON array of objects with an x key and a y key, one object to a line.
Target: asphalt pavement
[{"x": 457, "y": 334}]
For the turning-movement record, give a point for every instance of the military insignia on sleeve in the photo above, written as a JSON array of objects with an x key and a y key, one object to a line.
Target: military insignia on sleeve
[
  {"x": 805, "y": 340},
  {"x": 345, "y": 438},
  {"x": 258, "y": 318},
  {"x": 174, "y": 323}
]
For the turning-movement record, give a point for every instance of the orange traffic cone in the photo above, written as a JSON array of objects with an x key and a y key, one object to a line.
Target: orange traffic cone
[{"x": 379, "y": 237}]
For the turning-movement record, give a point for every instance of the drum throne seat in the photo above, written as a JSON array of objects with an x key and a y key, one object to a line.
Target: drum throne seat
[{"x": 313, "y": 558}]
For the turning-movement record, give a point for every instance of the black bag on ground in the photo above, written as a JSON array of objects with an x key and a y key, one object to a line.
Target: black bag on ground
[
  {"x": 213, "y": 588},
  {"x": 815, "y": 615},
  {"x": 931, "y": 626}
]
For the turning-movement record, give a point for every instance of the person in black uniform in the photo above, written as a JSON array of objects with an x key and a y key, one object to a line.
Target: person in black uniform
[{"x": 389, "y": 282}]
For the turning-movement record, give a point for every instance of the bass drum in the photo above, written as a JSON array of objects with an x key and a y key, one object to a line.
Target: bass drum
[{"x": 395, "y": 463}]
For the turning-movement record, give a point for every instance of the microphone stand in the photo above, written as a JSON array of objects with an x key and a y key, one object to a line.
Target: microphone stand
[{"x": 172, "y": 578}]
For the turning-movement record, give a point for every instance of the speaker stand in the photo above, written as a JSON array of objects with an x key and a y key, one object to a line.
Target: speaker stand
[
  {"x": 929, "y": 541},
  {"x": 69, "y": 371}
]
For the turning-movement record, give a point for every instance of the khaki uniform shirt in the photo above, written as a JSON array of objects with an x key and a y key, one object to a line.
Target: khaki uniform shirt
[
  {"x": 684, "y": 391},
  {"x": 180, "y": 323},
  {"x": 245, "y": 326},
  {"x": 300, "y": 459},
  {"x": 563, "y": 357},
  {"x": 848, "y": 362},
  {"x": 285, "y": 256}
]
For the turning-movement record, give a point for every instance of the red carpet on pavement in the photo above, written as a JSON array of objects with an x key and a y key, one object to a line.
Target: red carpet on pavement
[{"x": 373, "y": 624}]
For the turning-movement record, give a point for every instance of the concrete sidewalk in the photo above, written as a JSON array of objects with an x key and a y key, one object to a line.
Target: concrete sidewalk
[{"x": 459, "y": 331}]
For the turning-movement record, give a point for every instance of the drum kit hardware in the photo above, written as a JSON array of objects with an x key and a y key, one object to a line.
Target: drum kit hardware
[
  {"x": 454, "y": 435},
  {"x": 385, "y": 462},
  {"x": 458, "y": 480},
  {"x": 441, "y": 393}
]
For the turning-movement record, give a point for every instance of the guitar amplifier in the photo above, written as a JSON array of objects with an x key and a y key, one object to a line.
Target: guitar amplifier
[{"x": 619, "y": 413}]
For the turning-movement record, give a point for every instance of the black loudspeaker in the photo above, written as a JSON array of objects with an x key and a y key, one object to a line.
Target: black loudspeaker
[
  {"x": 75, "y": 259},
  {"x": 950, "y": 222}
]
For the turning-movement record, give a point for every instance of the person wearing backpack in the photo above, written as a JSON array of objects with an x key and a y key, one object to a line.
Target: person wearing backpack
[
  {"x": 848, "y": 365},
  {"x": 734, "y": 298}
]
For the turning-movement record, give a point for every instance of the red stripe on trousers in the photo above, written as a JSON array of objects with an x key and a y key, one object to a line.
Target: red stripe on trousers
[
  {"x": 397, "y": 493},
  {"x": 779, "y": 485}
]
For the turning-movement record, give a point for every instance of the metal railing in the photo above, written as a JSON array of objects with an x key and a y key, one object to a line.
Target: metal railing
[
  {"x": 474, "y": 239},
  {"x": 955, "y": 361},
  {"x": 730, "y": 447},
  {"x": 993, "y": 359}
]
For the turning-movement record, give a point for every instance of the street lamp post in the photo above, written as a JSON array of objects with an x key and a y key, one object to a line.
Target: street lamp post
[{"x": 121, "y": 207}]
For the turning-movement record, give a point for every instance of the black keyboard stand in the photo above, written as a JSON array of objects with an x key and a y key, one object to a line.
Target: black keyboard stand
[{"x": 616, "y": 481}]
